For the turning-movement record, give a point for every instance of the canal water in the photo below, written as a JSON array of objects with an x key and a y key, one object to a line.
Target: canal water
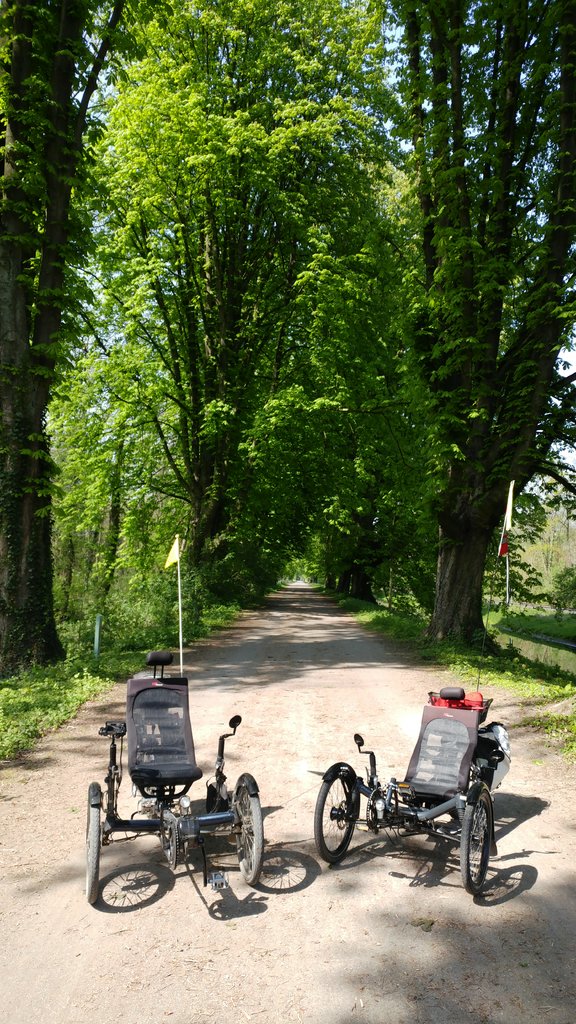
[{"x": 548, "y": 654}]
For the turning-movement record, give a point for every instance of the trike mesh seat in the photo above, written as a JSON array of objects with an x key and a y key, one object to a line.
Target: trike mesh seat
[
  {"x": 160, "y": 744},
  {"x": 440, "y": 764}
]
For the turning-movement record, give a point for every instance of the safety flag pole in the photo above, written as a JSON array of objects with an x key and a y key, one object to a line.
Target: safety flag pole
[
  {"x": 503, "y": 546},
  {"x": 502, "y": 551},
  {"x": 174, "y": 557}
]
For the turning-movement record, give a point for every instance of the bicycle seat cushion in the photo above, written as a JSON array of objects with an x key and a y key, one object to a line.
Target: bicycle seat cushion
[
  {"x": 160, "y": 774},
  {"x": 160, "y": 744}
]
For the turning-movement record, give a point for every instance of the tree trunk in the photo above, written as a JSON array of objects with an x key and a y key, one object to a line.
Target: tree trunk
[
  {"x": 360, "y": 585},
  {"x": 112, "y": 541},
  {"x": 460, "y": 574},
  {"x": 67, "y": 574},
  {"x": 45, "y": 109},
  {"x": 27, "y": 627},
  {"x": 344, "y": 580}
]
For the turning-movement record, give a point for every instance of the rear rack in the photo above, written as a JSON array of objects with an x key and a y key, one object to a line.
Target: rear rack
[{"x": 469, "y": 702}]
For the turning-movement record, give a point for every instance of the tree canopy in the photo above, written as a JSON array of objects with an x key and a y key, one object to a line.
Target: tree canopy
[
  {"x": 303, "y": 293},
  {"x": 489, "y": 97}
]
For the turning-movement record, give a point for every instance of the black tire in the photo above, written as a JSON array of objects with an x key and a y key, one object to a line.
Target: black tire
[
  {"x": 334, "y": 818},
  {"x": 93, "y": 842},
  {"x": 475, "y": 842},
  {"x": 250, "y": 839}
]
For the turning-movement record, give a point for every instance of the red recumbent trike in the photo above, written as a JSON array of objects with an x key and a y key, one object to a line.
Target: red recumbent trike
[{"x": 447, "y": 791}]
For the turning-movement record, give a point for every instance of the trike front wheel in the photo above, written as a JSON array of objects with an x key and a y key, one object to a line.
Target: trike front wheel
[
  {"x": 334, "y": 818},
  {"x": 250, "y": 838},
  {"x": 93, "y": 841},
  {"x": 475, "y": 842}
]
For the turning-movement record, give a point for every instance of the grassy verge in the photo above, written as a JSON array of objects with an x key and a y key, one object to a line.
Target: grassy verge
[
  {"x": 561, "y": 627},
  {"x": 34, "y": 702},
  {"x": 545, "y": 685},
  {"x": 41, "y": 699}
]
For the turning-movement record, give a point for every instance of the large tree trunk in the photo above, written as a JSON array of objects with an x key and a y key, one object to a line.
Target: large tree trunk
[
  {"x": 458, "y": 604},
  {"x": 496, "y": 307},
  {"x": 28, "y": 631},
  {"x": 360, "y": 585},
  {"x": 44, "y": 108},
  {"x": 27, "y": 628}
]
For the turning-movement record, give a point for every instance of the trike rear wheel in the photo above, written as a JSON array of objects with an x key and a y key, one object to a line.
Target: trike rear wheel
[
  {"x": 93, "y": 842},
  {"x": 475, "y": 842},
  {"x": 334, "y": 818},
  {"x": 250, "y": 839}
]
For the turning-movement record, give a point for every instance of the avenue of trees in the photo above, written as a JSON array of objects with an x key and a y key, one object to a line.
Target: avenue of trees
[{"x": 292, "y": 282}]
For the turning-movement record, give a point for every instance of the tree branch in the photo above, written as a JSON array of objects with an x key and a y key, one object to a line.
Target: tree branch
[{"x": 95, "y": 71}]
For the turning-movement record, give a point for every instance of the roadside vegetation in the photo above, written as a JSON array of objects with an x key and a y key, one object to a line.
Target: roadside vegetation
[
  {"x": 551, "y": 690},
  {"x": 41, "y": 699},
  {"x": 534, "y": 624},
  {"x": 34, "y": 702}
]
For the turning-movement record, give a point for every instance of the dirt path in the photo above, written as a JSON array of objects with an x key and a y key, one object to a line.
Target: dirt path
[{"x": 389, "y": 935}]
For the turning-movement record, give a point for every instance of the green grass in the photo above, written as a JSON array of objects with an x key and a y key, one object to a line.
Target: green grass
[
  {"x": 218, "y": 616},
  {"x": 544, "y": 685},
  {"x": 34, "y": 702},
  {"x": 562, "y": 627}
]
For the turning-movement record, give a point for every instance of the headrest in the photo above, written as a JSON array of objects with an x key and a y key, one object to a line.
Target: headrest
[
  {"x": 159, "y": 658},
  {"x": 452, "y": 693}
]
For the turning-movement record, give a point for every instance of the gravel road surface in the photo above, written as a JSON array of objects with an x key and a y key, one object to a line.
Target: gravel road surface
[{"x": 389, "y": 935}]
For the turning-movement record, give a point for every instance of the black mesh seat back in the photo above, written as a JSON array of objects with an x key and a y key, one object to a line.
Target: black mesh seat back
[
  {"x": 160, "y": 744},
  {"x": 440, "y": 764}
]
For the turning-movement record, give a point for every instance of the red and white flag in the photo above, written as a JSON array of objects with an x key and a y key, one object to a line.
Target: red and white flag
[{"x": 503, "y": 548}]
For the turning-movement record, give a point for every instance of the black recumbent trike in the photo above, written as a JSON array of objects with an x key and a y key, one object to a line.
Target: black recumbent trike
[
  {"x": 162, "y": 767},
  {"x": 447, "y": 791}
]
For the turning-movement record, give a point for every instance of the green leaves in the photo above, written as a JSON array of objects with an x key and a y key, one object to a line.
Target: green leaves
[{"x": 235, "y": 210}]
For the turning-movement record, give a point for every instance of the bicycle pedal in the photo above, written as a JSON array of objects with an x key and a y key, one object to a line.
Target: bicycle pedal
[
  {"x": 449, "y": 828},
  {"x": 218, "y": 880}
]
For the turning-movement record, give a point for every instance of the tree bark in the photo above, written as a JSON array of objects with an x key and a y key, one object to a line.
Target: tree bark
[
  {"x": 112, "y": 541},
  {"x": 496, "y": 307},
  {"x": 360, "y": 585},
  {"x": 45, "y": 119},
  {"x": 459, "y": 585}
]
